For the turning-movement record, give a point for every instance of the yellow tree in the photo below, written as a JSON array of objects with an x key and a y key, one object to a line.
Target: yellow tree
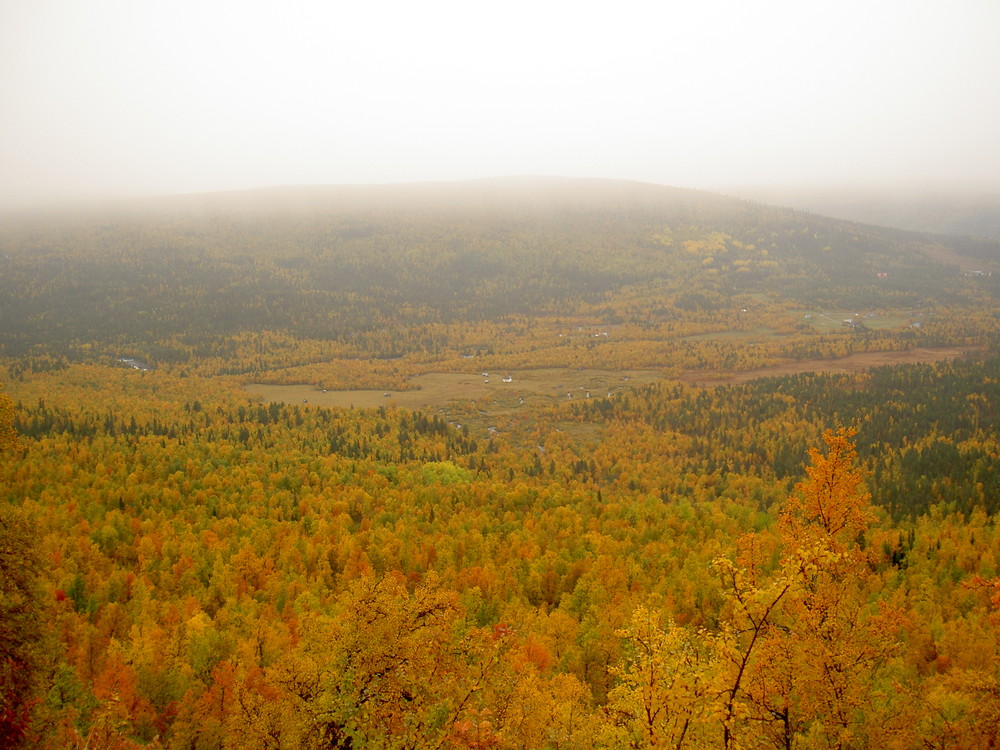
[
  {"x": 8, "y": 437},
  {"x": 961, "y": 705},
  {"x": 754, "y": 602},
  {"x": 20, "y": 618},
  {"x": 393, "y": 669},
  {"x": 20, "y": 605},
  {"x": 546, "y": 711},
  {"x": 837, "y": 631},
  {"x": 665, "y": 682}
]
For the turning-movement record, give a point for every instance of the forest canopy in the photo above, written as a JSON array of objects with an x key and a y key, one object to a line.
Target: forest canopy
[{"x": 591, "y": 559}]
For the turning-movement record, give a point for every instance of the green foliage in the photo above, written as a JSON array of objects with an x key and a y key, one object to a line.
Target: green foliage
[{"x": 444, "y": 472}]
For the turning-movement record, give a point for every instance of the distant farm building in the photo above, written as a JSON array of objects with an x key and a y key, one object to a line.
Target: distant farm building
[{"x": 135, "y": 364}]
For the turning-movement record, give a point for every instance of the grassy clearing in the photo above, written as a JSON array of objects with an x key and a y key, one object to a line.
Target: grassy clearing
[
  {"x": 437, "y": 390},
  {"x": 527, "y": 389},
  {"x": 827, "y": 320}
]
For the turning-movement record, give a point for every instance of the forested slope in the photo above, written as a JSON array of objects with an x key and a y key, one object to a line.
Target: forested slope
[
  {"x": 206, "y": 564},
  {"x": 385, "y": 271},
  {"x": 805, "y": 561}
]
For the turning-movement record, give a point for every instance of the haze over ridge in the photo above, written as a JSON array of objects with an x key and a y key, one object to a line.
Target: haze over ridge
[{"x": 111, "y": 98}]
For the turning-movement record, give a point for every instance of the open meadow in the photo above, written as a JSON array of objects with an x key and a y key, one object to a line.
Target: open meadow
[{"x": 529, "y": 388}]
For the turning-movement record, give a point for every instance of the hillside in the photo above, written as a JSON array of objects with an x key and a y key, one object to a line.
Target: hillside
[
  {"x": 958, "y": 213},
  {"x": 508, "y": 464},
  {"x": 389, "y": 271}
]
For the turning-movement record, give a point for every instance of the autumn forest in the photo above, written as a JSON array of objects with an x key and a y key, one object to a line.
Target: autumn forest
[{"x": 501, "y": 464}]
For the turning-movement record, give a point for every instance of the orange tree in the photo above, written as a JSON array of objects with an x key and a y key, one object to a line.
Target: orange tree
[{"x": 804, "y": 645}]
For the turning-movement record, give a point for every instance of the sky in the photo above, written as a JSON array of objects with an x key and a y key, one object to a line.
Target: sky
[{"x": 115, "y": 98}]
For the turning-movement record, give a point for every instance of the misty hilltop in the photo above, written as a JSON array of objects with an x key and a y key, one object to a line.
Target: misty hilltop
[
  {"x": 964, "y": 213},
  {"x": 334, "y": 262}
]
